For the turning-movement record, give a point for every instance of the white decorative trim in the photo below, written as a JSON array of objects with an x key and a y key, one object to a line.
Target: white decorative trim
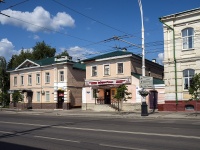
[
  {"x": 27, "y": 60},
  {"x": 116, "y": 57}
]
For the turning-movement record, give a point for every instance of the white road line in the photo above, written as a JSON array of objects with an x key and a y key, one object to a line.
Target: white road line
[
  {"x": 121, "y": 147},
  {"x": 129, "y": 132},
  {"x": 29, "y": 124},
  {"x": 108, "y": 131},
  {"x": 6, "y": 132},
  {"x": 50, "y": 138}
]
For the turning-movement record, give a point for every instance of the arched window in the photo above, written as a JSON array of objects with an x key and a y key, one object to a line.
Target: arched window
[
  {"x": 187, "y": 76},
  {"x": 188, "y": 38}
]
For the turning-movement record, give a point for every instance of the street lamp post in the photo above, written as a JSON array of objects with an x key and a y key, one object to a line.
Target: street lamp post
[{"x": 144, "y": 111}]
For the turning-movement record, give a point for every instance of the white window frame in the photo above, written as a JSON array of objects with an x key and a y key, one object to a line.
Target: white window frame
[
  {"x": 47, "y": 77},
  {"x": 47, "y": 95},
  {"x": 37, "y": 78},
  {"x": 61, "y": 76},
  {"x": 187, "y": 39},
  {"x": 29, "y": 79},
  {"x": 22, "y": 79},
  {"x": 118, "y": 68},
  {"x": 38, "y": 96},
  {"x": 15, "y": 81},
  {"x": 94, "y": 74},
  {"x": 104, "y": 69},
  {"x": 187, "y": 78}
]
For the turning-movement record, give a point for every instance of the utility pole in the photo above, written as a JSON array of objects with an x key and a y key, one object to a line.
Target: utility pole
[{"x": 144, "y": 110}]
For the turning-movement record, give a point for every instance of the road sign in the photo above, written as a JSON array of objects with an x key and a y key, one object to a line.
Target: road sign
[
  {"x": 146, "y": 82},
  {"x": 10, "y": 91}
]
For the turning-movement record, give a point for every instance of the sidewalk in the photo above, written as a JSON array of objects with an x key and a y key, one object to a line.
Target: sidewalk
[{"x": 88, "y": 113}]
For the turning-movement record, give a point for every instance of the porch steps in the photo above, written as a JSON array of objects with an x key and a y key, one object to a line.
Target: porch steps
[{"x": 104, "y": 107}]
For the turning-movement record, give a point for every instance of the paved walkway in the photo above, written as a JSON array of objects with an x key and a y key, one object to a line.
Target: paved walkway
[{"x": 83, "y": 113}]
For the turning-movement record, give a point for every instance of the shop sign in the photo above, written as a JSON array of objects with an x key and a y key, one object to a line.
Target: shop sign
[
  {"x": 61, "y": 94},
  {"x": 108, "y": 82}
]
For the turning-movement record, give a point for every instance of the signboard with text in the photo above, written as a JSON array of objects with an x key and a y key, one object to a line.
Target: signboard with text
[
  {"x": 108, "y": 82},
  {"x": 146, "y": 82}
]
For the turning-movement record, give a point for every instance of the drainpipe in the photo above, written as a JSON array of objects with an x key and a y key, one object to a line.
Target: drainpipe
[{"x": 175, "y": 68}]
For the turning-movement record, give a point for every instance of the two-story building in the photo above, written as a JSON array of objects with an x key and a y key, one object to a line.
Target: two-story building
[
  {"x": 50, "y": 83},
  {"x": 104, "y": 74},
  {"x": 181, "y": 58}
]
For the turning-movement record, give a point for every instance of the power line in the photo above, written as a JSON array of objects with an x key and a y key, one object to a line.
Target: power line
[
  {"x": 17, "y": 4},
  {"x": 90, "y": 17}
]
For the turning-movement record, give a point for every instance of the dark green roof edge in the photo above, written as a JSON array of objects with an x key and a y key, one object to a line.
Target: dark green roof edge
[
  {"x": 155, "y": 80},
  {"x": 79, "y": 66},
  {"x": 51, "y": 60},
  {"x": 116, "y": 53},
  {"x": 107, "y": 55}
]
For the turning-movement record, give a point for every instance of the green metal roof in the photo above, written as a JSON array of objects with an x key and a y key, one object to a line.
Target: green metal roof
[
  {"x": 107, "y": 55},
  {"x": 155, "y": 80},
  {"x": 79, "y": 65},
  {"x": 51, "y": 60},
  {"x": 45, "y": 61},
  {"x": 115, "y": 54}
]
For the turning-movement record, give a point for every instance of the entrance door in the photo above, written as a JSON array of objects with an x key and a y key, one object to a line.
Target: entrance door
[
  {"x": 153, "y": 100},
  {"x": 29, "y": 98},
  {"x": 60, "y": 99},
  {"x": 107, "y": 96}
]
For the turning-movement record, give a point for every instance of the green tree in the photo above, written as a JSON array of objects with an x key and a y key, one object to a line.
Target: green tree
[
  {"x": 16, "y": 60},
  {"x": 4, "y": 83},
  {"x": 64, "y": 53},
  {"x": 16, "y": 97},
  {"x": 194, "y": 89},
  {"x": 42, "y": 50},
  {"x": 122, "y": 95}
]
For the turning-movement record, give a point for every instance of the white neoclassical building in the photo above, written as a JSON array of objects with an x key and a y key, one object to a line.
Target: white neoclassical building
[{"x": 181, "y": 58}]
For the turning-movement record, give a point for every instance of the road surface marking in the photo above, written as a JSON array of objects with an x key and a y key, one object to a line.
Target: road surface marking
[
  {"x": 50, "y": 138},
  {"x": 29, "y": 124},
  {"x": 108, "y": 131},
  {"x": 121, "y": 147},
  {"x": 6, "y": 132},
  {"x": 129, "y": 132}
]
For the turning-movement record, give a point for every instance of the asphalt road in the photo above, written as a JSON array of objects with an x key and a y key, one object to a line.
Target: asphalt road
[{"x": 36, "y": 132}]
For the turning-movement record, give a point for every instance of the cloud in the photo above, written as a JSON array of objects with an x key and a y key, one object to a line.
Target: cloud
[
  {"x": 37, "y": 19},
  {"x": 79, "y": 53},
  {"x": 7, "y": 49},
  {"x": 160, "y": 58},
  {"x": 36, "y": 37}
]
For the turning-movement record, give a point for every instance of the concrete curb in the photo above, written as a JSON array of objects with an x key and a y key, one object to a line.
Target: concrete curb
[{"x": 82, "y": 113}]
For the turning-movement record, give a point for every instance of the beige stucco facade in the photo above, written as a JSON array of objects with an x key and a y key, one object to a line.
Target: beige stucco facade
[
  {"x": 181, "y": 53},
  {"x": 54, "y": 86},
  {"x": 105, "y": 84}
]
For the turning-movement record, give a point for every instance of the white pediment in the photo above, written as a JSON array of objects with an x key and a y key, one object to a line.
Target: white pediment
[{"x": 27, "y": 64}]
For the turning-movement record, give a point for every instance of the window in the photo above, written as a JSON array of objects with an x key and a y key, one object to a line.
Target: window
[
  {"x": 188, "y": 38},
  {"x": 29, "y": 79},
  {"x": 106, "y": 69},
  {"x": 22, "y": 80},
  {"x": 47, "y": 96},
  {"x": 15, "y": 81},
  {"x": 37, "y": 78},
  {"x": 94, "y": 70},
  {"x": 120, "y": 68},
  {"x": 47, "y": 77},
  {"x": 38, "y": 96},
  {"x": 187, "y": 76},
  {"x": 61, "y": 75}
]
